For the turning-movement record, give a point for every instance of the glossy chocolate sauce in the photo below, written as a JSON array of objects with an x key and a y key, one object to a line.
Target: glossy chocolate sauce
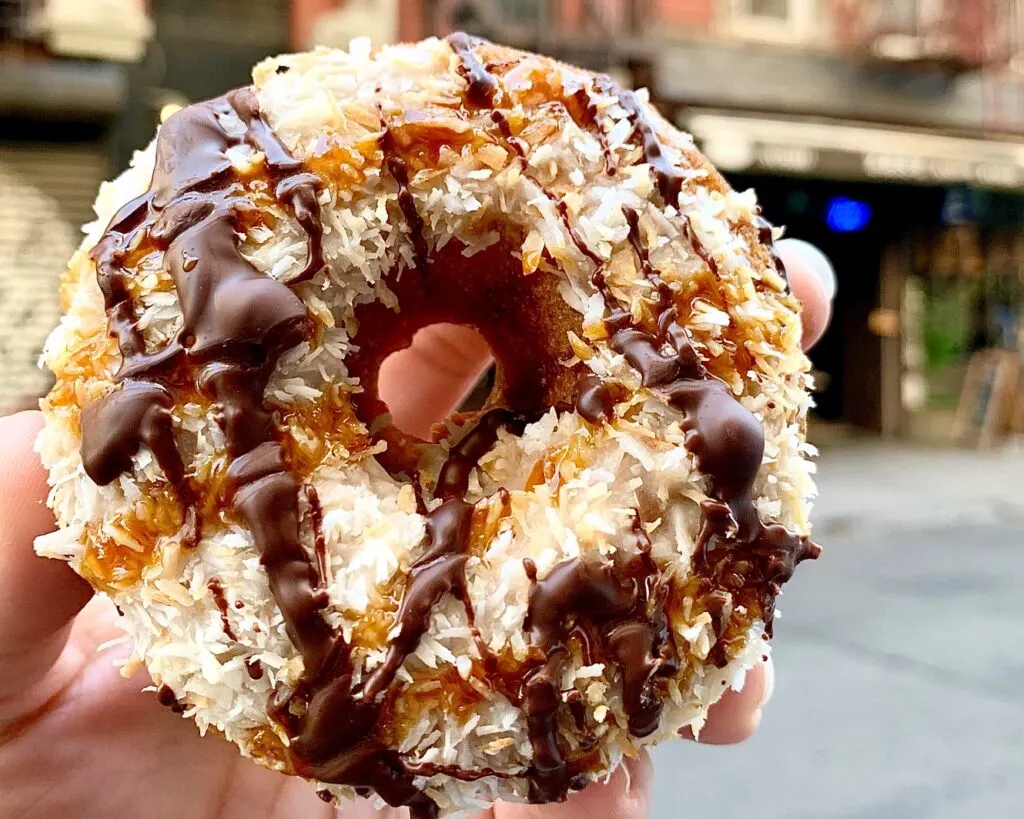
[
  {"x": 669, "y": 178},
  {"x": 399, "y": 170},
  {"x": 505, "y": 129},
  {"x": 220, "y": 598},
  {"x": 584, "y": 111},
  {"x": 481, "y": 85},
  {"x": 440, "y": 570},
  {"x": 595, "y": 400},
  {"x": 165, "y": 696},
  {"x": 254, "y": 668},
  {"x": 726, "y": 440},
  {"x": 616, "y": 610},
  {"x": 316, "y": 522}
]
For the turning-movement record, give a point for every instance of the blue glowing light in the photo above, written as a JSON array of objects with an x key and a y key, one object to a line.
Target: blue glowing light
[{"x": 847, "y": 215}]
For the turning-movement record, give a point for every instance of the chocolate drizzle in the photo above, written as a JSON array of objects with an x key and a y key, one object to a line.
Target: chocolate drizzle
[
  {"x": 617, "y": 609},
  {"x": 217, "y": 590},
  {"x": 595, "y": 400},
  {"x": 440, "y": 570},
  {"x": 165, "y": 696},
  {"x": 766, "y": 236},
  {"x": 335, "y": 733},
  {"x": 316, "y": 522},
  {"x": 727, "y": 443},
  {"x": 669, "y": 178},
  {"x": 584, "y": 112},
  {"x": 254, "y": 668},
  {"x": 481, "y": 85},
  {"x": 237, "y": 323},
  {"x": 399, "y": 170},
  {"x": 505, "y": 129}
]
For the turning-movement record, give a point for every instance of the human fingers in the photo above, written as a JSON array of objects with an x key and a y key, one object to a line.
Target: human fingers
[
  {"x": 626, "y": 795},
  {"x": 38, "y": 597},
  {"x": 813, "y": 282},
  {"x": 736, "y": 716},
  {"x": 426, "y": 382}
]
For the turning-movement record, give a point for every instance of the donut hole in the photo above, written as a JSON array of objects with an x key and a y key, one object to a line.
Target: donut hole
[
  {"x": 448, "y": 368},
  {"x": 521, "y": 321}
]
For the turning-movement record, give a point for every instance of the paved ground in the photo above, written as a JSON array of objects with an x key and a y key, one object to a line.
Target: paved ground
[
  {"x": 881, "y": 485},
  {"x": 899, "y": 657}
]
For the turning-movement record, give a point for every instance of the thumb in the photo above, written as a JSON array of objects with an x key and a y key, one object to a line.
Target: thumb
[{"x": 38, "y": 597}]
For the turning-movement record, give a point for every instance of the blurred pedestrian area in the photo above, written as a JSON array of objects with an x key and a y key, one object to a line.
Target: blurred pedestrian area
[{"x": 866, "y": 484}]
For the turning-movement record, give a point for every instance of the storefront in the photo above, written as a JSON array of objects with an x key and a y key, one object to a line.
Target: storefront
[{"x": 926, "y": 231}]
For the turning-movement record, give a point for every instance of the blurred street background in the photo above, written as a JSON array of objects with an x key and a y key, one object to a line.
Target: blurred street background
[{"x": 890, "y": 133}]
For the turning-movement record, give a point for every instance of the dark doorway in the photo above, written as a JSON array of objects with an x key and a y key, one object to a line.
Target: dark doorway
[{"x": 848, "y": 358}]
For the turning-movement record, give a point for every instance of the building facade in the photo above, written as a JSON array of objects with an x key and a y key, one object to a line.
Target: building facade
[
  {"x": 64, "y": 76},
  {"x": 888, "y": 132}
]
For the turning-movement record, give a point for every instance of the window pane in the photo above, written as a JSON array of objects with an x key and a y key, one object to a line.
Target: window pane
[{"x": 777, "y": 9}]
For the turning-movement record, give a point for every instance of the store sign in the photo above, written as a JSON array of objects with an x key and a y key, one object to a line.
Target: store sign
[
  {"x": 939, "y": 170},
  {"x": 843, "y": 151},
  {"x": 95, "y": 29}
]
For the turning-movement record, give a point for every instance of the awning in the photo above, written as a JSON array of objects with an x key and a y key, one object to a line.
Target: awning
[{"x": 840, "y": 150}]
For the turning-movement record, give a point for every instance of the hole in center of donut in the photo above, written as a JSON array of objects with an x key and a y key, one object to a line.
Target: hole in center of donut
[{"x": 447, "y": 368}]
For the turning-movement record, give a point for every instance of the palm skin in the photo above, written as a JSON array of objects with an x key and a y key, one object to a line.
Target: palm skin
[{"x": 79, "y": 740}]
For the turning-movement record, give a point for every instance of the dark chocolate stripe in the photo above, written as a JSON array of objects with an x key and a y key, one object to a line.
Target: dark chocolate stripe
[
  {"x": 617, "y": 609},
  {"x": 481, "y": 85},
  {"x": 237, "y": 323},
  {"x": 727, "y": 443},
  {"x": 399, "y": 170},
  {"x": 669, "y": 178},
  {"x": 766, "y": 236}
]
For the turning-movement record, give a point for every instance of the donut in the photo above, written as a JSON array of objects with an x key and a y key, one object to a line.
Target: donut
[{"x": 577, "y": 569}]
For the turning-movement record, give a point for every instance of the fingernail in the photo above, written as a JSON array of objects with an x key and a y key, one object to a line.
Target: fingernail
[
  {"x": 769, "y": 682},
  {"x": 812, "y": 259}
]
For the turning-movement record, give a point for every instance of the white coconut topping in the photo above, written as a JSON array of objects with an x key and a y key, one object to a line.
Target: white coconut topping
[{"x": 469, "y": 186}]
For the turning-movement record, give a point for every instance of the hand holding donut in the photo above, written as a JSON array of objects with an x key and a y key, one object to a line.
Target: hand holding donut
[{"x": 78, "y": 739}]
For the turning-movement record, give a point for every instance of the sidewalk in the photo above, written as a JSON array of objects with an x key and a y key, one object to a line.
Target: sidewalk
[{"x": 870, "y": 484}]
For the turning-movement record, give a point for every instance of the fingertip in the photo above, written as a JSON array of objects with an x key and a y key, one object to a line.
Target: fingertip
[
  {"x": 812, "y": 281},
  {"x": 424, "y": 383},
  {"x": 37, "y": 596},
  {"x": 737, "y": 715}
]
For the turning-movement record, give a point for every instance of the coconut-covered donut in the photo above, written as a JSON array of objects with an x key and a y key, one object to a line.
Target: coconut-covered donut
[{"x": 580, "y": 568}]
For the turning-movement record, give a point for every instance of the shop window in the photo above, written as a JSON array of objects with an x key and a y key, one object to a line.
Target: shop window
[{"x": 786, "y": 21}]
